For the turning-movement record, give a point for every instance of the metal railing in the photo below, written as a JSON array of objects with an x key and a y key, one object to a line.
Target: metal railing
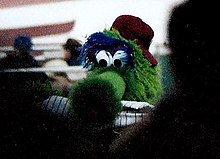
[{"x": 132, "y": 112}]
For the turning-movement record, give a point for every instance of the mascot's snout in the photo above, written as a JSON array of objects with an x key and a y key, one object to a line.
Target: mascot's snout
[{"x": 98, "y": 98}]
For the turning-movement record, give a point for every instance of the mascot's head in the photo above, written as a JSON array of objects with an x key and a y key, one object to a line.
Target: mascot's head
[
  {"x": 116, "y": 43},
  {"x": 119, "y": 61}
]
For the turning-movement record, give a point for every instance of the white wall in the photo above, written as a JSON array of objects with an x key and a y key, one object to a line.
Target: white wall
[
  {"x": 90, "y": 15},
  {"x": 95, "y": 15}
]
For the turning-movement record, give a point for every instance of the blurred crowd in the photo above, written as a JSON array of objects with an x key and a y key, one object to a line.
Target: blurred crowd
[{"x": 184, "y": 123}]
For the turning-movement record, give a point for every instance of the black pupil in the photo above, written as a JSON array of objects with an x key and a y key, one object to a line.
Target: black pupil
[
  {"x": 103, "y": 63},
  {"x": 117, "y": 63}
]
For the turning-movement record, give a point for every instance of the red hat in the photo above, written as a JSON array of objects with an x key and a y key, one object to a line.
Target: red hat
[{"x": 133, "y": 28}]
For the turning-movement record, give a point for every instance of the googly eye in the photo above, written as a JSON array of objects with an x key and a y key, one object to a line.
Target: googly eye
[
  {"x": 120, "y": 58},
  {"x": 104, "y": 58}
]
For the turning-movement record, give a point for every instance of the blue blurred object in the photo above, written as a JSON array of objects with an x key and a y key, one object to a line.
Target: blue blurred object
[
  {"x": 23, "y": 43},
  {"x": 98, "y": 42}
]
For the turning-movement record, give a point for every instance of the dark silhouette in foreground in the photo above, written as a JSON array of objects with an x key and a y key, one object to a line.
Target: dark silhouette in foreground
[{"x": 185, "y": 124}]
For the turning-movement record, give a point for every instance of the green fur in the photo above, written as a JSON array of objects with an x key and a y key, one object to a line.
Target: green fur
[
  {"x": 97, "y": 98},
  {"x": 117, "y": 82},
  {"x": 147, "y": 80},
  {"x": 143, "y": 83}
]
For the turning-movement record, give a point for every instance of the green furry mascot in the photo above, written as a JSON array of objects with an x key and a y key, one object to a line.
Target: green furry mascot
[{"x": 120, "y": 68}]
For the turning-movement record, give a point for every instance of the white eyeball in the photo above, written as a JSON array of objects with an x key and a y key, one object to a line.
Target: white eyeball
[
  {"x": 104, "y": 58},
  {"x": 120, "y": 58}
]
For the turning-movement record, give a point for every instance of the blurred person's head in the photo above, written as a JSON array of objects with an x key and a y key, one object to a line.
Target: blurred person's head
[
  {"x": 194, "y": 48},
  {"x": 71, "y": 49},
  {"x": 23, "y": 43}
]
